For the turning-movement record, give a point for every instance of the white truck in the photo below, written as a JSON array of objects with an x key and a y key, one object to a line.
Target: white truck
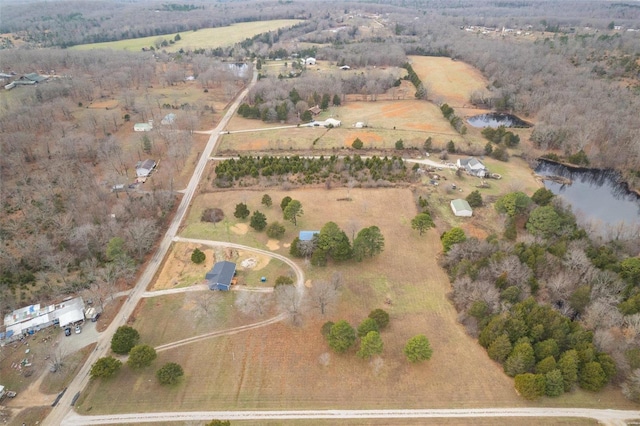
[{"x": 91, "y": 314}]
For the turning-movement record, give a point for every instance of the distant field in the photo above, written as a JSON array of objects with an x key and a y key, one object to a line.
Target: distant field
[
  {"x": 410, "y": 120},
  {"x": 207, "y": 38},
  {"x": 451, "y": 81}
]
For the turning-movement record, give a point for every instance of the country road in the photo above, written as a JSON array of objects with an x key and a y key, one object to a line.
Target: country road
[
  {"x": 606, "y": 417},
  {"x": 81, "y": 380}
]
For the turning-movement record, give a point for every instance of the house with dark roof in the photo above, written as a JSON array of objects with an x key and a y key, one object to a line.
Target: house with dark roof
[
  {"x": 473, "y": 166},
  {"x": 315, "y": 110},
  {"x": 221, "y": 275}
]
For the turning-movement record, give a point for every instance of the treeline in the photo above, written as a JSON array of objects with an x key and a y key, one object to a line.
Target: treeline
[
  {"x": 555, "y": 308},
  {"x": 70, "y": 23},
  {"x": 290, "y": 108},
  {"x": 309, "y": 170}
]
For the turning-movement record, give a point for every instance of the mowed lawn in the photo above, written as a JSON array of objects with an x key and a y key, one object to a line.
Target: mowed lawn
[
  {"x": 207, "y": 38},
  {"x": 451, "y": 81}
]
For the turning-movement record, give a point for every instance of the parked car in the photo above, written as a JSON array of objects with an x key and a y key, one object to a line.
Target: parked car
[
  {"x": 78, "y": 329},
  {"x": 67, "y": 331},
  {"x": 95, "y": 317}
]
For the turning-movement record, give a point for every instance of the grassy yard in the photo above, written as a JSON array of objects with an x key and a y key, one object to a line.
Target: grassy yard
[{"x": 207, "y": 38}]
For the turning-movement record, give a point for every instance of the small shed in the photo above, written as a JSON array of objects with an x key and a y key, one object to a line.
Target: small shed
[
  {"x": 143, "y": 127},
  {"x": 345, "y": 67},
  {"x": 220, "y": 276},
  {"x": 310, "y": 61},
  {"x": 461, "y": 208},
  {"x": 144, "y": 168},
  {"x": 307, "y": 235},
  {"x": 168, "y": 119}
]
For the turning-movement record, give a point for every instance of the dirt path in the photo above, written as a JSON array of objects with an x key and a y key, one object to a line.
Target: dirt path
[
  {"x": 219, "y": 333},
  {"x": 607, "y": 417}
]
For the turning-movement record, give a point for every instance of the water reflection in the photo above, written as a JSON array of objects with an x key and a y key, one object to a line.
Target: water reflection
[
  {"x": 497, "y": 119},
  {"x": 596, "y": 196}
]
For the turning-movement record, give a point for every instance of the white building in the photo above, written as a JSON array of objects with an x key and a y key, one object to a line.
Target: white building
[
  {"x": 144, "y": 168},
  {"x": 473, "y": 166},
  {"x": 310, "y": 61},
  {"x": 35, "y": 317},
  {"x": 143, "y": 127},
  {"x": 461, "y": 208}
]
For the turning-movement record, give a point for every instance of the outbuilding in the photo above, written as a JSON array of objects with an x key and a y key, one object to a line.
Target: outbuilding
[
  {"x": 144, "y": 168},
  {"x": 143, "y": 127},
  {"x": 461, "y": 208},
  {"x": 307, "y": 235},
  {"x": 221, "y": 275},
  {"x": 310, "y": 61}
]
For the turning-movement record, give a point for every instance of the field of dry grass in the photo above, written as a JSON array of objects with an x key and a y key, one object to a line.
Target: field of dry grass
[
  {"x": 451, "y": 81},
  {"x": 207, "y": 38},
  {"x": 272, "y": 367},
  {"x": 387, "y": 121}
]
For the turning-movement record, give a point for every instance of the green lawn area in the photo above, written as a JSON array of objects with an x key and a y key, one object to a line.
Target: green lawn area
[{"x": 207, "y": 38}]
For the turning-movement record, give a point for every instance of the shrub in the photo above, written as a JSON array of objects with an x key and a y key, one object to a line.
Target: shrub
[
  {"x": 198, "y": 256},
  {"x": 381, "y": 317},
  {"x": 357, "y": 144}
]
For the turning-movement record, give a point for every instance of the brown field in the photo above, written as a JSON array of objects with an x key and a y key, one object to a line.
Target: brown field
[
  {"x": 106, "y": 104},
  {"x": 451, "y": 81},
  {"x": 387, "y": 121},
  {"x": 272, "y": 367}
]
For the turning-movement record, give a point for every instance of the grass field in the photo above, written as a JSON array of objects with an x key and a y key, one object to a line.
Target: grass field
[
  {"x": 410, "y": 120},
  {"x": 208, "y": 38},
  {"x": 272, "y": 367},
  {"x": 451, "y": 81}
]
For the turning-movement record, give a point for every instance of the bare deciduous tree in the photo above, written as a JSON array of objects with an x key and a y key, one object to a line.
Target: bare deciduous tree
[
  {"x": 253, "y": 303},
  {"x": 323, "y": 296},
  {"x": 289, "y": 299}
]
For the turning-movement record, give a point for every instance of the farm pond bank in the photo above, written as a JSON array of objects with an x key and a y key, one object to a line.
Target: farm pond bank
[
  {"x": 596, "y": 196},
  {"x": 497, "y": 119}
]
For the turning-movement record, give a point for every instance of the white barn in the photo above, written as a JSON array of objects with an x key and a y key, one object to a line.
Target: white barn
[{"x": 461, "y": 208}]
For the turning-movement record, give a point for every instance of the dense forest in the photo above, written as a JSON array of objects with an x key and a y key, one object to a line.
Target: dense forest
[{"x": 583, "y": 330}]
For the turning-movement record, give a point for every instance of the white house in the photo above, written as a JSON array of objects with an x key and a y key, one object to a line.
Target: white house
[
  {"x": 144, "y": 168},
  {"x": 461, "y": 208},
  {"x": 473, "y": 166},
  {"x": 143, "y": 127},
  {"x": 332, "y": 122},
  {"x": 310, "y": 61}
]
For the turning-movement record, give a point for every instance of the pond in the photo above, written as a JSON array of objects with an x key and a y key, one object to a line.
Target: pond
[
  {"x": 596, "y": 196},
  {"x": 497, "y": 119}
]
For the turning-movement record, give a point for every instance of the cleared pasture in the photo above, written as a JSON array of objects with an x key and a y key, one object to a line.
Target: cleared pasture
[
  {"x": 387, "y": 121},
  {"x": 449, "y": 80},
  {"x": 273, "y": 367},
  {"x": 207, "y": 38}
]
